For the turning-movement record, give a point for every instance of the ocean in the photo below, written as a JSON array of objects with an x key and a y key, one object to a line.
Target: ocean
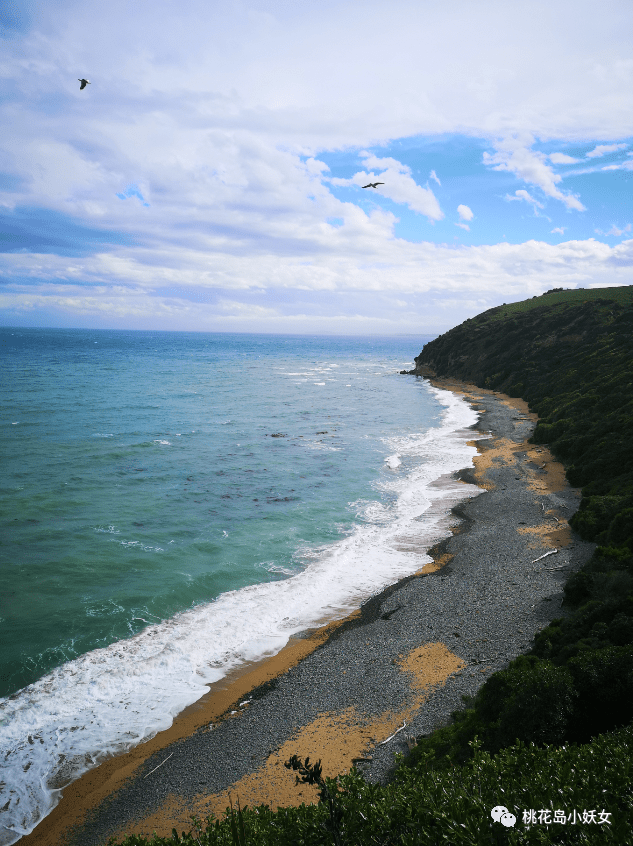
[{"x": 176, "y": 504}]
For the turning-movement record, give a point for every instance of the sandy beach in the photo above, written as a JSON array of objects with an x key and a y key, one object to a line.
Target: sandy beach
[{"x": 341, "y": 693}]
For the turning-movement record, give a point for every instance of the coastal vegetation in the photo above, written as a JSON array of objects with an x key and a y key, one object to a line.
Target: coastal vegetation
[
  {"x": 552, "y": 733},
  {"x": 569, "y": 354}
]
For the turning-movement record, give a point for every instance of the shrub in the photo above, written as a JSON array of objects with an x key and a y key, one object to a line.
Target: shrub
[
  {"x": 594, "y": 515},
  {"x": 603, "y": 679},
  {"x": 620, "y": 631},
  {"x": 532, "y": 700},
  {"x": 578, "y": 587},
  {"x": 621, "y": 529}
]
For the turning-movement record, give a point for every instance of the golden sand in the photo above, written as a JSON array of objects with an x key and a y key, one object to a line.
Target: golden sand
[{"x": 337, "y": 739}]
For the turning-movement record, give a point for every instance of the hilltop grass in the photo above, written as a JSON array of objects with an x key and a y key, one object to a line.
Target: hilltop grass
[
  {"x": 554, "y": 730},
  {"x": 560, "y": 298}
]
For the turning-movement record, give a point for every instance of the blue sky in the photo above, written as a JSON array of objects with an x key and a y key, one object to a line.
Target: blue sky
[
  {"x": 467, "y": 175},
  {"x": 210, "y": 176}
]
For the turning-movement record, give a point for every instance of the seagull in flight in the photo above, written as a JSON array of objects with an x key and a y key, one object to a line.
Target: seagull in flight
[
  {"x": 373, "y": 184},
  {"x": 84, "y": 82}
]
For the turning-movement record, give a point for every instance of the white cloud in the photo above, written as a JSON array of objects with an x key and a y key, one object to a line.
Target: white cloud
[
  {"x": 464, "y": 212},
  {"x": 628, "y": 165},
  {"x": 514, "y": 155},
  {"x": 218, "y": 114},
  {"x": 559, "y": 230},
  {"x": 398, "y": 185},
  {"x": 615, "y": 230},
  {"x": 463, "y": 226},
  {"x": 239, "y": 291},
  {"x": 310, "y": 73},
  {"x": 603, "y": 149},
  {"x": 523, "y": 195},
  {"x": 562, "y": 158}
]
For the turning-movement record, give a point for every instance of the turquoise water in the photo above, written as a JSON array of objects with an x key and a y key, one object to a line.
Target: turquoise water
[
  {"x": 140, "y": 476},
  {"x": 174, "y": 504}
]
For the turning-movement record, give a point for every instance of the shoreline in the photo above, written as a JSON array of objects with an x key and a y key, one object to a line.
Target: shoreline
[{"x": 340, "y": 691}]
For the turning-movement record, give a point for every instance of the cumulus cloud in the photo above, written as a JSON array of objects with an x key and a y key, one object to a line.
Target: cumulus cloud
[
  {"x": 514, "y": 155},
  {"x": 398, "y": 186},
  {"x": 558, "y": 230},
  {"x": 465, "y": 214},
  {"x": 193, "y": 161},
  {"x": 603, "y": 149},
  {"x": 211, "y": 289},
  {"x": 562, "y": 158}
]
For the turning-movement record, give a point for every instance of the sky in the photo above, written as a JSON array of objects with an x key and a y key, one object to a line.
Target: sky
[{"x": 210, "y": 177}]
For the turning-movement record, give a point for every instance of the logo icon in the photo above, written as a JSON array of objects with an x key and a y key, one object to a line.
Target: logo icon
[{"x": 501, "y": 814}]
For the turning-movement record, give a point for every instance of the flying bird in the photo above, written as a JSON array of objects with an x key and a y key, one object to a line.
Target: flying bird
[
  {"x": 373, "y": 184},
  {"x": 84, "y": 82}
]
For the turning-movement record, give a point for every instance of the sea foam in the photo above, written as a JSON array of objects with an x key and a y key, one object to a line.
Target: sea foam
[{"x": 111, "y": 699}]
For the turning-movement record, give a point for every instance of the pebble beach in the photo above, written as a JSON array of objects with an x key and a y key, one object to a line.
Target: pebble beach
[{"x": 355, "y": 692}]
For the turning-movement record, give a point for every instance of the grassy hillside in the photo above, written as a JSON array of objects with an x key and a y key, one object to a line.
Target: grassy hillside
[
  {"x": 560, "y": 298},
  {"x": 571, "y": 357},
  {"x": 554, "y": 730}
]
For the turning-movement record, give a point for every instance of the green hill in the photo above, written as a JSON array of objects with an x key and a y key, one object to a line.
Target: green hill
[{"x": 569, "y": 354}]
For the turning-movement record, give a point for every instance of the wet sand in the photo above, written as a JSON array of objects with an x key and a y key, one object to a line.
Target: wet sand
[{"x": 341, "y": 693}]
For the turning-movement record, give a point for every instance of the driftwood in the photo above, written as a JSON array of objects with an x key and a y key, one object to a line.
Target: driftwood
[
  {"x": 160, "y": 765},
  {"x": 551, "y": 552},
  {"x": 404, "y": 725}
]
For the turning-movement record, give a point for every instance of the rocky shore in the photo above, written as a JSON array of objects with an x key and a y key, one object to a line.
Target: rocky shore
[{"x": 342, "y": 694}]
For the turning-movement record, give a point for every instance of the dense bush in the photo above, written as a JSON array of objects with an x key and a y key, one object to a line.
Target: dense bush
[
  {"x": 595, "y": 515},
  {"x": 603, "y": 680},
  {"x": 533, "y": 700},
  {"x": 620, "y": 531},
  {"x": 539, "y": 701}
]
